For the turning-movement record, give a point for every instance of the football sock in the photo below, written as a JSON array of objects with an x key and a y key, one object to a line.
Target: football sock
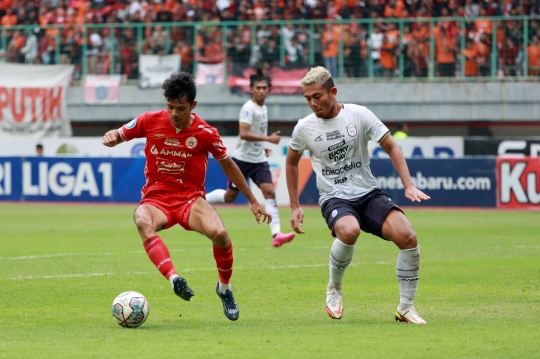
[
  {"x": 407, "y": 268},
  {"x": 216, "y": 196},
  {"x": 271, "y": 208},
  {"x": 223, "y": 287},
  {"x": 224, "y": 262},
  {"x": 340, "y": 256},
  {"x": 159, "y": 255}
]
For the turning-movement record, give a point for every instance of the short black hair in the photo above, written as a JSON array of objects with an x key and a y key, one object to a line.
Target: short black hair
[
  {"x": 259, "y": 76},
  {"x": 179, "y": 85},
  {"x": 400, "y": 125},
  {"x": 328, "y": 84},
  {"x": 39, "y": 146}
]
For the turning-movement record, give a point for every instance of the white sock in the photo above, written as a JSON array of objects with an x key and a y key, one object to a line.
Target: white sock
[
  {"x": 341, "y": 255},
  {"x": 216, "y": 196},
  {"x": 223, "y": 287},
  {"x": 407, "y": 268},
  {"x": 271, "y": 208},
  {"x": 172, "y": 278}
]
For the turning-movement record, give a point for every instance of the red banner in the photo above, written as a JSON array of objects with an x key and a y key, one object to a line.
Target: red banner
[
  {"x": 518, "y": 182},
  {"x": 284, "y": 81}
]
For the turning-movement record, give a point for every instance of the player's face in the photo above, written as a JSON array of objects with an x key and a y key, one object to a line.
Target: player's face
[
  {"x": 320, "y": 99},
  {"x": 179, "y": 110},
  {"x": 259, "y": 91}
]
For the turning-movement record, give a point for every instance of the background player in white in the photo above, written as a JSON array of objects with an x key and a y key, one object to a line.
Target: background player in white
[
  {"x": 336, "y": 136},
  {"x": 250, "y": 155}
]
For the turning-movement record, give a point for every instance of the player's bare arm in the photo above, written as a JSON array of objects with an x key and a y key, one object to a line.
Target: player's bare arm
[
  {"x": 245, "y": 134},
  {"x": 291, "y": 169},
  {"x": 112, "y": 138},
  {"x": 398, "y": 160},
  {"x": 235, "y": 175}
]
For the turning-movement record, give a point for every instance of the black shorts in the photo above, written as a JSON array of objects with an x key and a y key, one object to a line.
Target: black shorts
[
  {"x": 370, "y": 211},
  {"x": 258, "y": 172}
]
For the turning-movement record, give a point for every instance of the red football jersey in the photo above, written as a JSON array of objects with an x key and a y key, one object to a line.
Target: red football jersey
[{"x": 176, "y": 160}]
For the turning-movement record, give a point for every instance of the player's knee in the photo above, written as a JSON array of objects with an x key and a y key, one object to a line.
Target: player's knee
[
  {"x": 269, "y": 194},
  {"x": 143, "y": 224},
  {"x": 230, "y": 196},
  {"x": 409, "y": 240},
  {"x": 220, "y": 237},
  {"x": 348, "y": 234}
]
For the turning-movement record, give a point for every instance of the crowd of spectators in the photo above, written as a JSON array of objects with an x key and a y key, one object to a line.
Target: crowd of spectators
[{"x": 380, "y": 49}]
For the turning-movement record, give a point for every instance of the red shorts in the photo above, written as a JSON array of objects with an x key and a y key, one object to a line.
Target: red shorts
[{"x": 176, "y": 208}]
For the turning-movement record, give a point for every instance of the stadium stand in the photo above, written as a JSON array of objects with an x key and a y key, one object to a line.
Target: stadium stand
[{"x": 353, "y": 38}]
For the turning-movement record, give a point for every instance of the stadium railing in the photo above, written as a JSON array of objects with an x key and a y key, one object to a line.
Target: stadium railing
[{"x": 419, "y": 49}]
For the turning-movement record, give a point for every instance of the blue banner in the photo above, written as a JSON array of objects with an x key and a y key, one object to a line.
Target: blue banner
[{"x": 449, "y": 182}]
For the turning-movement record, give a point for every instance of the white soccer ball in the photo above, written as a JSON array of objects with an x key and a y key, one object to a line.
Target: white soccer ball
[{"x": 130, "y": 309}]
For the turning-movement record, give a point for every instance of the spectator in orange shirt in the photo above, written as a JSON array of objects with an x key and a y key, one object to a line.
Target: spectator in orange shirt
[
  {"x": 330, "y": 43},
  {"x": 533, "y": 52},
  {"x": 483, "y": 52},
  {"x": 9, "y": 19},
  {"x": 470, "y": 59},
  {"x": 444, "y": 52},
  {"x": 484, "y": 25},
  {"x": 387, "y": 60}
]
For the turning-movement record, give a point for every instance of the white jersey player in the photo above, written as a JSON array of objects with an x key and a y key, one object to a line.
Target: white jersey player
[
  {"x": 336, "y": 136},
  {"x": 250, "y": 155}
]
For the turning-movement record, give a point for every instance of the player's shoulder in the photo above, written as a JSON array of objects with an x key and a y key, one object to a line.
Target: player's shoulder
[
  {"x": 154, "y": 114},
  {"x": 203, "y": 126},
  {"x": 354, "y": 108}
]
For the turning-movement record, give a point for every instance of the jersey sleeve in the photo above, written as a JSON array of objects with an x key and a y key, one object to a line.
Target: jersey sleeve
[
  {"x": 246, "y": 115},
  {"x": 134, "y": 129},
  {"x": 216, "y": 146},
  {"x": 297, "y": 142},
  {"x": 374, "y": 128}
]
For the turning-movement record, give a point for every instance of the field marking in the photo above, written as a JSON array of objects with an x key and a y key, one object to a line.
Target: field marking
[
  {"x": 78, "y": 275},
  {"x": 45, "y": 256}
]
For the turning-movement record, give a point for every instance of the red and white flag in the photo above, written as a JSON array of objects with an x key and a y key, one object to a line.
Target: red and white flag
[
  {"x": 210, "y": 74},
  {"x": 101, "y": 89}
]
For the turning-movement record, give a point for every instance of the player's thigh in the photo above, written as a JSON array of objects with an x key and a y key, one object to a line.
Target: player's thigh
[
  {"x": 204, "y": 219},
  {"x": 397, "y": 228},
  {"x": 268, "y": 190},
  {"x": 149, "y": 219},
  {"x": 347, "y": 229}
]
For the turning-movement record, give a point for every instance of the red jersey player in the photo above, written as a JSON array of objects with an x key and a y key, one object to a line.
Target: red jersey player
[{"x": 177, "y": 146}]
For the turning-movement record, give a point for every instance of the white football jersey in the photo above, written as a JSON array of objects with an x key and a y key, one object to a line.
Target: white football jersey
[
  {"x": 257, "y": 118},
  {"x": 338, "y": 150}
]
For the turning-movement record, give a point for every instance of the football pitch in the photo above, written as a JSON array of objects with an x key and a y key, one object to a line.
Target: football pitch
[{"x": 61, "y": 266}]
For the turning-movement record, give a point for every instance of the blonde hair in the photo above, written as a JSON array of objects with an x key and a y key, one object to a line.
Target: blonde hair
[{"x": 317, "y": 75}]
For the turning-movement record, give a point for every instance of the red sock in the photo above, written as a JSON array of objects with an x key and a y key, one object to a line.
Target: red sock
[
  {"x": 224, "y": 262},
  {"x": 159, "y": 255}
]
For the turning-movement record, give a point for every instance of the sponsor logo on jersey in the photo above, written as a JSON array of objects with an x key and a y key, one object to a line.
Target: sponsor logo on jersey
[
  {"x": 191, "y": 142},
  {"x": 318, "y": 139},
  {"x": 245, "y": 114},
  {"x": 176, "y": 153},
  {"x": 337, "y": 145},
  {"x": 172, "y": 142},
  {"x": 220, "y": 146},
  {"x": 334, "y": 135},
  {"x": 206, "y": 129},
  {"x": 351, "y": 130},
  {"x": 158, "y": 135},
  {"x": 131, "y": 124},
  {"x": 154, "y": 150},
  {"x": 331, "y": 172},
  {"x": 171, "y": 167}
]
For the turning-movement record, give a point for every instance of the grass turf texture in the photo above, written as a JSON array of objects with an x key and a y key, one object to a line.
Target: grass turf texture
[{"x": 62, "y": 266}]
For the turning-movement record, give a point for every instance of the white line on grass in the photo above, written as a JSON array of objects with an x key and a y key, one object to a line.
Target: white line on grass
[{"x": 62, "y": 276}]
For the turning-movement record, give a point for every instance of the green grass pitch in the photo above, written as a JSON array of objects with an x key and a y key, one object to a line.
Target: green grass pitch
[{"x": 62, "y": 265}]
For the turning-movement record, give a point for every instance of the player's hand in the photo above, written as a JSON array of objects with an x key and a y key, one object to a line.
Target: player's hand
[
  {"x": 297, "y": 220},
  {"x": 258, "y": 210},
  {"x": 267, "y": 152},
  {"x": 274, "y": 137},
  {"x": 415, "y": 195},
  {"x": 110, "y": 139}
]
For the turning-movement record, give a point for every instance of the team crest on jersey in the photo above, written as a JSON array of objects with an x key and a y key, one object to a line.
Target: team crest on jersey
[
  {"x": 154, "y": 150},
  {"x": 245, "y": 114},
  {"x": 191, "y": 142},
  {"x": 131, "y": 124},
  {"x": 172, "y": 142},
  {"x": 351, "y": 130}
]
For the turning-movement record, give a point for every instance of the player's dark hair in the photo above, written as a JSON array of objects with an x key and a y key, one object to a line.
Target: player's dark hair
[
  {"x": 400, "y": 125},
  {"x": 179, "y": 85},
  {"x": 328, "y": 84},
  {"x": 259, "y": 76}
]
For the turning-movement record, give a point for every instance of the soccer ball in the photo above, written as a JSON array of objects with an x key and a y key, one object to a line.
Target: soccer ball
[{"x": 130, "y": 309}]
